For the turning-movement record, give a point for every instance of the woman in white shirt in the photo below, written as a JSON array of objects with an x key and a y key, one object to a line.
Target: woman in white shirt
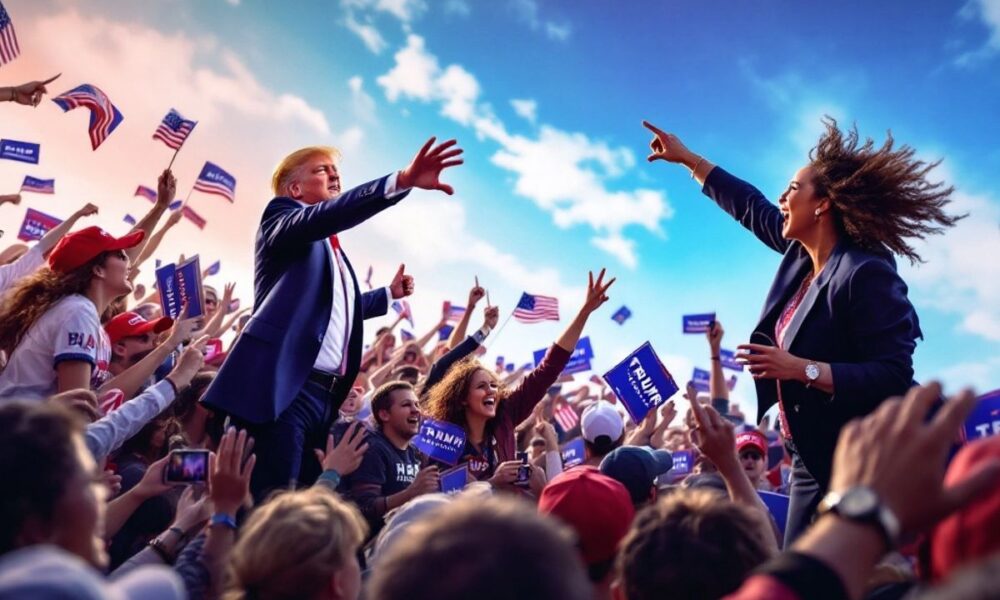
[{"x": 50, "y": 321}]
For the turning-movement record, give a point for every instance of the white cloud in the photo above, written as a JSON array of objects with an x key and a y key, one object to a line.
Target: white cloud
[
  {"x": 981, "y": 376},
  {"x": 404, "y": 10},
  {"x": 362, "y": 103},
  {"x": 988, "y": 12},
  {"x": 527, "y": 108},
  {"x": 371, "y": 37},
  {"x": 457, "y": 7},
  {"x": 527, "y": 12},
  {"x": 563, "y": 172}
]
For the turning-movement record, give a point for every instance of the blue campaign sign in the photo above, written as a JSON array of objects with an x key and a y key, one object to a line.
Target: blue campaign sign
[
  {"x": 572, "y": 452},
  {"x": 166, "y": 284},
  {"x": 440, "y": 440},
  {"x": 20, "y": 151},
  {"x": 777, "y": 505},
  {"x": 700, "y": 379},
  {"x": 728, "y": 360},
  {"x": 621, "y": 315},
  {"x": 579, "y": 361},
  {"x": 454, "y": 480},
  {"x": 984, "y": 420},
  {"x": 180, "y": 284},
  {"x": 683, "y": 463},
  {"x": 641, "y": 382},
  {"x": 698, "y": 323}
]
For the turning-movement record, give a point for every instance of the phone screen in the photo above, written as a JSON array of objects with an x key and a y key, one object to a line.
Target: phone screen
[
  {"x": 524, "y": 471},
  {"x": 186, "y": 466}
]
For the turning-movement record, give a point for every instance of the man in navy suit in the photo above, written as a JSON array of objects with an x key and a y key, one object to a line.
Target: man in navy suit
[{"x": 293, "y": 365}]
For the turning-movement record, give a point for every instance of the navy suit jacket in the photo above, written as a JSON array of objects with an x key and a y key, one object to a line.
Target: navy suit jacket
[
  {"x": 293, "y": 297},
  {"x": 855, "y": 316}
]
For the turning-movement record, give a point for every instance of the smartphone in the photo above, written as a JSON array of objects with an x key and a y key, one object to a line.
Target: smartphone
[
  {"x": 524, "y": 471},
  {"x": 185, "y": 467}
]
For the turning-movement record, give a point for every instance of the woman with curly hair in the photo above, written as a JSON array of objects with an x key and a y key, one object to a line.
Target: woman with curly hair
[
  {"x": 837, "y": 332},
  {"x": 50, "y": 324},
  {"x": 470, "y": 395}
]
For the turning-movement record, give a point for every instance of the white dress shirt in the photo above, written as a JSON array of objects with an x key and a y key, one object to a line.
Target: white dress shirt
[{"x": 332, "y": 357}]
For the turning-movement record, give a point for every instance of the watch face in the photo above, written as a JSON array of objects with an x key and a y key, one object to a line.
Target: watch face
[
  {"x": 858, "y": 502},
  {"x": 812, "y": 371}
]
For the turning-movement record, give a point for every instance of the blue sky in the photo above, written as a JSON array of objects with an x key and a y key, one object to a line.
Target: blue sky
[{"x": 546, "y": 98}]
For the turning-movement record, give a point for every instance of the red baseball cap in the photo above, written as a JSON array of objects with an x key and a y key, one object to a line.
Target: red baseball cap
[
  {"x": 130, "y": 324},
  {"x": 80, "y": 247},
  {"x": 970, "y": 534},
  {"x": 596, "y": 506},
  {"x": 752, "y": 438}
]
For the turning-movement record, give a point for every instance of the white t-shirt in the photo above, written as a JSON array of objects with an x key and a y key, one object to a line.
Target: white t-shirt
[{"x": 70, "y": 330}]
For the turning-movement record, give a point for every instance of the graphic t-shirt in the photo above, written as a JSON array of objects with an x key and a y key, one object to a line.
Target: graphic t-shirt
[
  {"x": 70, "y": 330},
  {"x": 482, "y": 461},
  {"x": 385, "y": 465}
]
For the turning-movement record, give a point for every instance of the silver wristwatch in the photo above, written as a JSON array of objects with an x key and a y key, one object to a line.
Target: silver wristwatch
[
  {"x": 862, "y": 505},
  {"x": 812, "y": 373}
]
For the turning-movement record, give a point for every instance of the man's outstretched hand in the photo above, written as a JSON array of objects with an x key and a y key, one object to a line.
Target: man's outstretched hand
[{"x": 424, "y": 171}]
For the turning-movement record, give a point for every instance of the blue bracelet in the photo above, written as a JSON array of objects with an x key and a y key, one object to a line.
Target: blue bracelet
[{"x": 223, "y": 519}]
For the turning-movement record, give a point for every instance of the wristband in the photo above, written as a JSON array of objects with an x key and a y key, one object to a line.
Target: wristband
[
  {"x": 157, "y": 547},
  {"x": 716, "y": 358},
  {"x": 180, "y": 532},
  {"x": 701, "y": 159},
  {"x": 223, "y": 519},
  {"x": 331, "y": 476}
]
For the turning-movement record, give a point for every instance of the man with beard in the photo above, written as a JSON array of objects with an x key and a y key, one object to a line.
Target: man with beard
[{"x": 390, "y": 473}]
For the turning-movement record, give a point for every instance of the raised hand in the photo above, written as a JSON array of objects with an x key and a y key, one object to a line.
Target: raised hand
[
  {"x": 713, "y": 435},
  {"x": 491, "y": 316},
  {"x": 475, "y": 295},
  {"x": 596, "y": 292},
  {"x": 666, "y": 146},
  {"x": 229, "y": 475},
  {"x": 714, "y": 336},
  {"x": 30, "y": 94},
  {"x": 166, "y": 188},
  {"x": 14, "y": 199},
  {"x": 345, "y": 457},
  {"x": 402, "y": 284},
  {"x": 424, "y": 171}
]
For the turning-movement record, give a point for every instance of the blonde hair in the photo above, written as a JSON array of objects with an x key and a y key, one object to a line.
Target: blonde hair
[
  {"x": 289, "y": 166},
  {"x": 292, "y": 546}
]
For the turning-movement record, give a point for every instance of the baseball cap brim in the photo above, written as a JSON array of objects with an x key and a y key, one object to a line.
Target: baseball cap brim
[{"x": 664, "y": 461}]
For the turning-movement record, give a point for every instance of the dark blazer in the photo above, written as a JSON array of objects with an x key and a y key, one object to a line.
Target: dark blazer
[
  {"x": 293, "y": 296},
  {"x": 855, "y": 316}
]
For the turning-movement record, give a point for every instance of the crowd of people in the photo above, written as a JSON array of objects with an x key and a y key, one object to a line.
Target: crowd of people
[{"x": 137, "y": 463}]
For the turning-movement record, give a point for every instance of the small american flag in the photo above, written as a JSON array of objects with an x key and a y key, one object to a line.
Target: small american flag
[
  {"x": 104, "y": 117},
  {"x": 175, "y": 204},
  {"x": 39, "y": 186},
  {"x": 406, "y": 336},
  {"x": 402, "y": 307},
  {"x": 8, "y": 39},
  {"x": 145, "y": 192},
  {"x": 566, "y": 416},
  {"x": 534, "y": 308},
  {"x": 174, "y": 129},
  {"x": 214, "y": 268},
  {"x": 213, "y": 179},
  {"x": 129, "y": 219},
  {"x": 454, "y": 313},
  {"x": 194, "y": 217}
]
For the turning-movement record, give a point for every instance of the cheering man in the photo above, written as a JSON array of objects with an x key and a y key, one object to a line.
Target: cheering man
[{"x": 290, "y": 370}]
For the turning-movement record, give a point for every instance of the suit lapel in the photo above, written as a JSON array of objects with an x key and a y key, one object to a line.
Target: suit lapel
[{"x": 812, "y": 294}]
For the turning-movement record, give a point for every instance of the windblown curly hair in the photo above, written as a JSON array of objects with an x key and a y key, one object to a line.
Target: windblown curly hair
[
  {"x": 444, "y": 400},
  {"x": 880, "y": 197}
]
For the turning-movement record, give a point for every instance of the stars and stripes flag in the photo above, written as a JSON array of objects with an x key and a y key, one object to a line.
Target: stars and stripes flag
[
  {"x": 533, "y": 308},
  {"x": 453, "y": 313},
  {"x": 129, "y": 219},
  {"x": 402, "y": 307},
  {"x": 104, "y": 117},
  {"x": 406, "y": 336},
  {"x": 194, "y": 217},
  {"x": 214, "y": 268},
  {"x": 566, "y": 416},
  {"x": 39, "y": 186},
  {"x": 214, "y": 180},
  {"x": 174, "y": 129},
  {"x": 9, "y": 49},
  {"x": 145, "y": 192}
]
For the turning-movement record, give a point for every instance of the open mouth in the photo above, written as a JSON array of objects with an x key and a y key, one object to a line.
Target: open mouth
[
  {"x": 489, "y": 402},
  {"x": 413, "y": 421}
]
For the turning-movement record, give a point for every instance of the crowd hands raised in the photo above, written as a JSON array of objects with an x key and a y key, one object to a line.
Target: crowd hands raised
[{"x": 100, "y": 393}]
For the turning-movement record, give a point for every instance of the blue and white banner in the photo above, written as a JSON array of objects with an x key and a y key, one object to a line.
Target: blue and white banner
[
  {"x": 572, "y": 452},
  {"x": 454, "y": 480},
  {"x": 20, "y": 151},
  {"x": 777, "y": 505},
  {"x": 621, "y": 315},
  {"x": 683, "y": 463},
  {"x": 701, "y": 378},
  {"x": 36, "y": 224},
  {"x": 180, "y": 284},
  {"x": 984, "y": 420},
  {"x": 579, "y": 361},
  {"x": 440, "y": 440},
  {"x": 728, "y": 360},
  {"x": 641, "y": 382},
  {"x": 698, "y": 323}
]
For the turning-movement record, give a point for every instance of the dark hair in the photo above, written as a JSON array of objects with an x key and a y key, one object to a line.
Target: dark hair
[
  {"x": 879, "y": 197},
  {"x": 187, "y": 400},
  {"x": 445, "y": 400},
  {"x": 382, "y": 398},
  {"x": 37, "y": 462},
  {"x": 445, "y": 556},
  {"x": 139, "y": 444},
  {"x": 692, "y": 543},
  {"x": 603, "y": 444}
]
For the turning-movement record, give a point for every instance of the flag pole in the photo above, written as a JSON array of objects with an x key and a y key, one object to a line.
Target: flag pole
[
  {"x": 176, "y": 152},
  {"x": 497, "y": 334}
]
